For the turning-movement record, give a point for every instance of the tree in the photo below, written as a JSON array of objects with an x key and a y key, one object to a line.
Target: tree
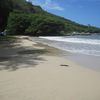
[
  {"x": 18, "y": 22},
  {"x": 45, "y": 26},
  {"x": 33, "y": 24},
  {"x": 5, "y": 8}
]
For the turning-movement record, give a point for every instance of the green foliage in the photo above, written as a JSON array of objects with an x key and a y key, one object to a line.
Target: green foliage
[
  {"x": 18, "y": 22},
  {"x": 33, "y": 24},
  {"x": 5, "y": 8},
  {"x": 27, "y": 19},
  {"x": 71, "y": 26},
  {"x": 22, "y": 5},
  {"x": 43, "y": 25}
]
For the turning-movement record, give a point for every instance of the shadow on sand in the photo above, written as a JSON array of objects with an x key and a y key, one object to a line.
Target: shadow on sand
[{"x": 16, "y": 57}]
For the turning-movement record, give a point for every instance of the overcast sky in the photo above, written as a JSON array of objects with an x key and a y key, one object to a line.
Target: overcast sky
[{"x": 81, "y": 11}]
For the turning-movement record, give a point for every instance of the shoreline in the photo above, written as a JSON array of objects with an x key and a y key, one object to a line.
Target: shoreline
[
  {"x": 42, "y": 74},
  {"x": 89, "y": 61}
]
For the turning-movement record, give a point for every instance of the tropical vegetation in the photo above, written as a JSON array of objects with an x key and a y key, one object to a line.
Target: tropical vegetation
[{"x": 23, "y": 18}]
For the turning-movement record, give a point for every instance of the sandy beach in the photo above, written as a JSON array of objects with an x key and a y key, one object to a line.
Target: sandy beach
[{"x": 31, "y": 71}]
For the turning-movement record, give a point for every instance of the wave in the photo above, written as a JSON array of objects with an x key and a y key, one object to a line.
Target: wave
[
  {"x": 83, "y": 45},
  {"x": 75, "y": 40}
]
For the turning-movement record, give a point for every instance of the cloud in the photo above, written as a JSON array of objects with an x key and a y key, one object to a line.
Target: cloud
[{"x": 48, "y": 4}]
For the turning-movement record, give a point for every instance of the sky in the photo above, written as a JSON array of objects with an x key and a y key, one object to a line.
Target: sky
[{"x": 81, "y": 11}]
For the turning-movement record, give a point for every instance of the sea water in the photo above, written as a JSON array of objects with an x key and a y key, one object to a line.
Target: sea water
[
  {"x": 89, "y": 45},
  {"x": 84, "y": 50}
]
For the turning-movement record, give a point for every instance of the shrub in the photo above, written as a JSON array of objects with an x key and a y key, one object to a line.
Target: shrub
[{"x": 33, "y": 24}]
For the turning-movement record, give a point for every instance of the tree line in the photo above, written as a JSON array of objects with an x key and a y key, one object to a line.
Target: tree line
[{"x": 23, "y": 18}]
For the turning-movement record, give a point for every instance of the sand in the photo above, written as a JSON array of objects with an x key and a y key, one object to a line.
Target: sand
[{"x": 47, "y": 79}]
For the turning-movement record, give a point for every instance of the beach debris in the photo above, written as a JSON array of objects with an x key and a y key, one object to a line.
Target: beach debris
[{"x": 64, "y": 65}]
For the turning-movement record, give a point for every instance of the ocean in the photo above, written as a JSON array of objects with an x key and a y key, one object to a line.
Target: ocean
[
  {"x": 89, "y": 45},
  {"x": 84, "y": 50}
]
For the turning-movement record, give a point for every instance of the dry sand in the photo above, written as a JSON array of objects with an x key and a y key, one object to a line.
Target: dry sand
[{"x": 48, "y": 80}]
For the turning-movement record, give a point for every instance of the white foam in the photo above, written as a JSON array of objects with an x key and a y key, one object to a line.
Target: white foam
[
  {"x": 84, "y": 45},
  {"x": 74, "y": 40}
]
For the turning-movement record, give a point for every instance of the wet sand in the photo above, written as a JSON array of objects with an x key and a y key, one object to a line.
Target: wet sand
[
  {"x": 37, "y": 72},
  {"x": 86, "y": 60}
]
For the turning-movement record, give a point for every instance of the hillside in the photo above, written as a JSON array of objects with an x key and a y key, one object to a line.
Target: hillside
[{"x": 27, "y": 19}]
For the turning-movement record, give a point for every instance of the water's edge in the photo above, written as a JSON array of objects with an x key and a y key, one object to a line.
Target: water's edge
[{"x": 89, "y": 61}]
